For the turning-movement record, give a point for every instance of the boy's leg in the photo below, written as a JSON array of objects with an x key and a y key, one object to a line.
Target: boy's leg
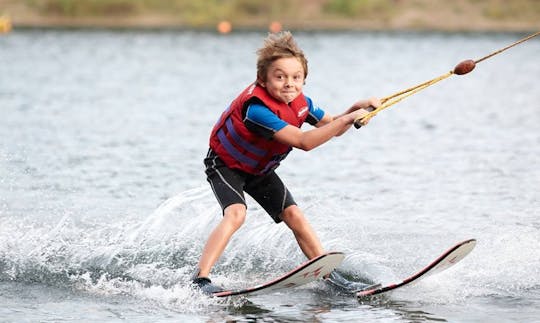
[
  {"x": 227, "y": 186},
  {"x": 233, "y": 217},
  {"x": 303, "y": 232}
]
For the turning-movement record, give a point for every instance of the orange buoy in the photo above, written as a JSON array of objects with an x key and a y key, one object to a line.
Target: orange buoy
[
  {"x": 5, "y": 25},
  {"x": 464, "y": 67},
  {"x": 224, "y": 27},
  {"x": 275, "y": 27}
]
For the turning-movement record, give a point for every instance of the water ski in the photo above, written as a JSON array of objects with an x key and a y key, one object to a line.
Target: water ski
[
  {"x": 443, "y": 262},
  {"x": 305, "y": 273}
]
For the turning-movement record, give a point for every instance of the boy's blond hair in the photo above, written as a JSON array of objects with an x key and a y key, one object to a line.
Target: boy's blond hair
[{"x": 276, "y": 46}]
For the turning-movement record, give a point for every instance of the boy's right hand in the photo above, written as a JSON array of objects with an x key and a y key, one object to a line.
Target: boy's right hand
[{"x": 359, "y": 114}]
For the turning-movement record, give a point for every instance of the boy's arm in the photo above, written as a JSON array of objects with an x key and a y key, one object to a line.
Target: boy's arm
[
  {"x": 326, "y": 129},
  {"x": 363, "y": 104}
]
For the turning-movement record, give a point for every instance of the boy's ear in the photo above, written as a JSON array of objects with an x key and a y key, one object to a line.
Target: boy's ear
[{"x": 261, "y": 83}]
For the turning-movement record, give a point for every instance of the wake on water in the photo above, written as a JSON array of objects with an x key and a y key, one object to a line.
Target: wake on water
[{"x": 153, "y": 259}]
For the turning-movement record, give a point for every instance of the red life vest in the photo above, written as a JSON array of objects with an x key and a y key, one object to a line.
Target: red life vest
[{"x": 240, "y": 148}]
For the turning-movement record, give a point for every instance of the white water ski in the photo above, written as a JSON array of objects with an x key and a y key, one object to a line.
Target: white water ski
[
  {"x": 443, "y": 262},
  {"x": 303, "y": 274}
]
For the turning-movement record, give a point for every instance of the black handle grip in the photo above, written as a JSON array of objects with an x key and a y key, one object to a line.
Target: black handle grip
[{"x": 357, "y": 123}]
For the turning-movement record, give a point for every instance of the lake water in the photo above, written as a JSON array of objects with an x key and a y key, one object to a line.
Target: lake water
[{"x": 104, "y": 206}]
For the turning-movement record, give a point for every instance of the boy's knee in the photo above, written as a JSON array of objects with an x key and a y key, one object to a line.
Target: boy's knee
[
  {"x": 235, "y": 214},
  {"x": 293, "y": 217}
]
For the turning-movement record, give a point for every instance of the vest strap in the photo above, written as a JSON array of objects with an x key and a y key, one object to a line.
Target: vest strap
[
  {"x": 233, "y": 151},
  {"x": 241, "y": 141}
]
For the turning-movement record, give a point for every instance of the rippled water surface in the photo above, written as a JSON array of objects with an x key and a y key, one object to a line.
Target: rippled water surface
[{"x": 104, "y": 207}]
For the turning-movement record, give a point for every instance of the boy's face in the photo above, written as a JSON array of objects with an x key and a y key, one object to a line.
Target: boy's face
[{"x": 284, "y": 79}]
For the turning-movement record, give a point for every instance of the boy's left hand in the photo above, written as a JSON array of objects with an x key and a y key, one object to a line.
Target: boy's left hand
[
  {"x": 368, "y": 105},
  {"x": 373, "y": 103}
]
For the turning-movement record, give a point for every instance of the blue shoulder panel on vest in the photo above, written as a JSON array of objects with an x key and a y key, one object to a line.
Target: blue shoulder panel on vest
[{"x": 261, "y": 116}]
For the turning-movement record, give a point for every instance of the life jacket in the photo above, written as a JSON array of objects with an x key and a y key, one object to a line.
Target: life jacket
[{"x": 240, "y": 148}]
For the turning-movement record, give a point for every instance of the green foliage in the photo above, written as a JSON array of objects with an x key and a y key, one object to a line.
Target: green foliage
[
  {"x": 259, "y": 12},
  {"x": 265, "y": 8},
  {"x": 76, "y": 8},
  {"x": 515, "y": 9},
  {"x": 357, "y": 8},
  {"x": 191, "y": 10}
]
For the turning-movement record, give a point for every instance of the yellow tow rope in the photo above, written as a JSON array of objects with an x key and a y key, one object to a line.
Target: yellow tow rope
[{"x": 462, "y": 68}]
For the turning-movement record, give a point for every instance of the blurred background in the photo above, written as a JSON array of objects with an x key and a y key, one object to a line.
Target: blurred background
[{"x": 228, "y": 15}]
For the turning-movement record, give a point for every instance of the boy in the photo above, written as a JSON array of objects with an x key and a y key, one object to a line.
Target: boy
[{"x": 251, "y": 138}]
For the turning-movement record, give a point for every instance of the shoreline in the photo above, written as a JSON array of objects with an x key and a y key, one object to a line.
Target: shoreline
[
  {"x": 131, "y": 24},
  {"x": 304, "y": 15}
]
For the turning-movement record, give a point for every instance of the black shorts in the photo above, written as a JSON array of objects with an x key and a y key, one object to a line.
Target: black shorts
[{"x": 229, "y": 186}]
